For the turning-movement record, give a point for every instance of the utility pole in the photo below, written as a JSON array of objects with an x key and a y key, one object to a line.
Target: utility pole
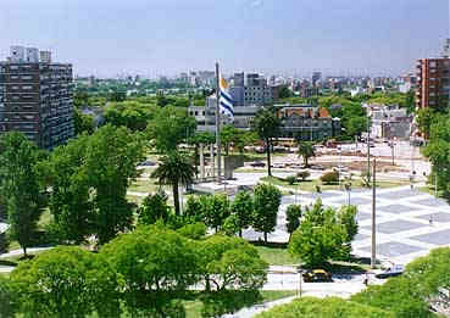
[
  {"x": 374, "y": 219},
  {"x": 392, "y": 148},
  {"x": 218, "y": 143},
  {"x": 368, "y": 148}
]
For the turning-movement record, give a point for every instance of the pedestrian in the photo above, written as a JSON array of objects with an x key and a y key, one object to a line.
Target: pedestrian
[
  {"x": 431, "y": 220},
  {"x": 366, "y": 279}
]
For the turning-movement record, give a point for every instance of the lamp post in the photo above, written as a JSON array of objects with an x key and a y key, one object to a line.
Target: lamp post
[
  {"x": 392, "y": 145},
  {"x": 340, "y": 160},
  {"x": 348, "y": 188}
]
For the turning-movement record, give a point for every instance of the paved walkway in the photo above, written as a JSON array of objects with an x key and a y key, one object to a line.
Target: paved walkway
[{"x": 409, "y": 223}]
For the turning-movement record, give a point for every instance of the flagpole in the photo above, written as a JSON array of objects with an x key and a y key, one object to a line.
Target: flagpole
[{"x": 218, "y": 142}]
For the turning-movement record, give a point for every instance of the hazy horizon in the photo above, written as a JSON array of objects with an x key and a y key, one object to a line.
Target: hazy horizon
[{"x": 166, "y": 37}]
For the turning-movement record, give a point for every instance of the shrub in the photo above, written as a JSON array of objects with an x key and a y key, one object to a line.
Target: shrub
[
  {"x": 330, "y": 177},
  {"x": 398, "y": 295},
  {"x": 194, "y": 231},
  {"x": 3, "y": 243},
  {"x": 310, "y": 307},
  {"x": 303, "y": 175},
  {"x": 291, "y": 179}
]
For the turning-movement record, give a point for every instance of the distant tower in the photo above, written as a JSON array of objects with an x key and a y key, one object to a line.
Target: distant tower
[{"x": 446, "y": 48}]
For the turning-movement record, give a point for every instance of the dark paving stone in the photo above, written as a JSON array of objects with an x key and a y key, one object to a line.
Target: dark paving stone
[
  {"x": 397, "y": 226},
  {"x": 393, "y": 249},
  {"x": 432, "y": 202},
  {"x": 398, "y": 194},
  {"x": 396, "y": 208},
  {"x": 438, "y": 238},
  {"x": 437, "y": 217}
]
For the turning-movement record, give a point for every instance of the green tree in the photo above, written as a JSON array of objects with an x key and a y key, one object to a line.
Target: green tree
[
  {"x": 70, "y": 198},
  {"x": 20, "y": 187},
  {"x": 132, "y": 114},
  {"x": 267, "y": 200},
  {"x": 438, "y": 151},
  {"x": 169, "y": 127},
  {"x": 230, "y": 263},
  {"x": 66, "y": 282},
  {"x": 284, "y": 92},
  {"x": 83, "y": 122},
  {"x": 154, "y": 208},
  {"x": 193, "y": 210},
  {"x": 293, "y": 215},
  {"x": 231, "y": 225},
  {"x": 156, "y": 265},
  {"x": 243, "y": 207},
  {"x": 347, "y": 217},
  {"x": 306, "y": 150},
  {"x": 267, "y": 125},
  {"x": 216, "y": 208},
  {"x": 228, "y": 134},
  {"x": 320, "y": 237},
  {"x": 174, "y": 169},
  {"x": 425, "y": 118},
  {"x": 111, "y": 159}
]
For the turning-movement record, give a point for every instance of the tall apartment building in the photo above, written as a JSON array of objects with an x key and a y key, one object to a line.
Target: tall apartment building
[
  {"x": 252, "y": 90},
  {"x": 36, "y": 97},
  {"x": 433, "y": 83}
]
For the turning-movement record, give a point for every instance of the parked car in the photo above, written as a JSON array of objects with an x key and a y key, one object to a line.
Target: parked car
[
  {"x": 258, "y": 164},
  {"x": 147, "y": 163},
  {"x": 317, "y": 275},
  {"x": 395, "y": 270}
]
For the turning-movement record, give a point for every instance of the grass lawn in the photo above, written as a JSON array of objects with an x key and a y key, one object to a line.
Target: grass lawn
[
  {"x": 145, "y": 186},
  {"x": 310, "y": 185},
  {"x": 194, "y": 307},
  {"x": 276, "y": 256}
]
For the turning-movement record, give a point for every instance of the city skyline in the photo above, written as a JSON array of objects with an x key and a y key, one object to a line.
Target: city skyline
[{"x": 154, "y": 38}]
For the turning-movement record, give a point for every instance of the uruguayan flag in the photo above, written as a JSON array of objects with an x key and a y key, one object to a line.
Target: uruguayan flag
[{"x": 226, "y": 102}]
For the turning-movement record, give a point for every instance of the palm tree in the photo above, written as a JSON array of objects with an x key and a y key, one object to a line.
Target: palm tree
[
  {"x": 267, "y": 125},
  {"x": 306, "y": 150},
  {"x": 175, "y": 169}
]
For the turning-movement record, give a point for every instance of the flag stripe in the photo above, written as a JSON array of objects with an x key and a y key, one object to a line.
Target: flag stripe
[
  {"x": 227, "y": 107},
  {"x": 225, "y": 99}
]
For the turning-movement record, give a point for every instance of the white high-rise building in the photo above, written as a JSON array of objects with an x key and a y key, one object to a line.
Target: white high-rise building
[
  {"x": 32, "y": 55},
  {"x": 17, "y": 53}
]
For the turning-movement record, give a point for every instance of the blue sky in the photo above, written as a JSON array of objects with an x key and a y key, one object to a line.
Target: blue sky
[{"x": 152, "y": 37}]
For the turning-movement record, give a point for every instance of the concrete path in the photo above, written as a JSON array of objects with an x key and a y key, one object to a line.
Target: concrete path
[{"x": 409, "y": 223}]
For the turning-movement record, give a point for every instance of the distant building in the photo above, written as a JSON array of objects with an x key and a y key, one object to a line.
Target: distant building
[
  {"x": 433, "y": 83},
  {"x": 205, "y": 116},
  {"x": 390, "y": 122},
  {"x": 316, "y": 78},
  {"x": 36, "y": 97},
  {"x": 306, "y": 122},
  {"x": 252, "y": 90}
]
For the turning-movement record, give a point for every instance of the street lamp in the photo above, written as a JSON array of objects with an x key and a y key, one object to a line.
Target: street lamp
[
  {"x": 339, "y": 176},
  {"x": 392, "y": 145},
  {"x": 348, "y": 188}
]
